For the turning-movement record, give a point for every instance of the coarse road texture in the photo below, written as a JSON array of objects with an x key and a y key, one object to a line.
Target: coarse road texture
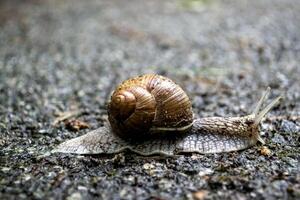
[{"x": 64, "y": 57}]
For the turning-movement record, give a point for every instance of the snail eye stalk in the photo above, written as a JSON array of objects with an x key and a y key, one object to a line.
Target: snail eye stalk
[{"x": 259, "y": 115}]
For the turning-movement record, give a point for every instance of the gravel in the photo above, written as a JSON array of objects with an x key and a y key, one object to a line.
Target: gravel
[{"x": 62, "y": 56}]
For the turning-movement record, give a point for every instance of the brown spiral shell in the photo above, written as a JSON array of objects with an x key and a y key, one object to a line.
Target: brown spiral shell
[{"x": 148, "y": 105}]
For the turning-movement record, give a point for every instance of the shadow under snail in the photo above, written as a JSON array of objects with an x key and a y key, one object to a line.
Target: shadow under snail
[{"x": 150, "y": 114}]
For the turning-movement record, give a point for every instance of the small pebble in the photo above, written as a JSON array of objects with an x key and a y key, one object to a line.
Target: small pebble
[
  {"x": 76, "y": 124},
  {"x": 265, "y": 151},
  {"x": 200, "y": 195},
  {"x": 5, "y": 169},
  {"x": 279, "y": 139},
  {"x": 75, "y": 196},
  {"x": 82, "y": 188},
  {"x": 148, "y": 166},
  {"x": 205, "y": 171},
  {"x": 289, "y": 127},
  {"x": 165, "y": 184}
]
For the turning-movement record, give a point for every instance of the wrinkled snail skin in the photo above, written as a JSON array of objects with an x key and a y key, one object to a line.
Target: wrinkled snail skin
[{"x": 160, "y": 134}]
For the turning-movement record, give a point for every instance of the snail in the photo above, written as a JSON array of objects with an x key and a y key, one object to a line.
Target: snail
[{"x": 150, "y": 114}]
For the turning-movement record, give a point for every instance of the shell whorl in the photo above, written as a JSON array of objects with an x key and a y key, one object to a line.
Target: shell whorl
[{"x": 147, "y": 105}]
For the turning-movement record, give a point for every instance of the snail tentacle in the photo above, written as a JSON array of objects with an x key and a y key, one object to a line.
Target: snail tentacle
[
  {"x": 260, "y": 112},
  {"x": 267, "y": 109},
  {"x": 261, "y": 101}
]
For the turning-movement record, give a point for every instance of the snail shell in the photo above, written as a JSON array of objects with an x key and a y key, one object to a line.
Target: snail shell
[{"x": 149, "y": 105}]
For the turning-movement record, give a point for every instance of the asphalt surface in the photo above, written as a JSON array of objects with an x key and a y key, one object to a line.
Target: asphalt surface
[{"x": 60, "y": 58}]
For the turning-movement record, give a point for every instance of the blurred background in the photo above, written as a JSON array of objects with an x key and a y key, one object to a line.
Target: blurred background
[
  {"x": 62, "y": 56},
  {"x": 67, "y": 48}
]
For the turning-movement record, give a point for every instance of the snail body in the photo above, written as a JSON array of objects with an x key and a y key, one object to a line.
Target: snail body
[{"x": 150, "y": 114}]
